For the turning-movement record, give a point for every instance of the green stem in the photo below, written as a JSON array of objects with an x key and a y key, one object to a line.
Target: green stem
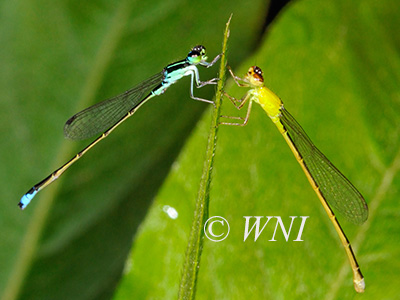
[{"x": 187, "y": 289}]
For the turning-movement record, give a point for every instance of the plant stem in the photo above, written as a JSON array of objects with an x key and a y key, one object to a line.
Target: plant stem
[{"x": 187, "y": 289}]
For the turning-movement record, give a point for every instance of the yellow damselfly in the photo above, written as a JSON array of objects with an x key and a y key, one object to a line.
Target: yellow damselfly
[{"x": 330, "y": 185}]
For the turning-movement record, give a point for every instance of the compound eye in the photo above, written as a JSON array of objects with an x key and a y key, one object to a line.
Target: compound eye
[
  {"x": 193, "y": 53},
  {"x": 200, "y": 49},
  {"x": 258, "y": 70}
]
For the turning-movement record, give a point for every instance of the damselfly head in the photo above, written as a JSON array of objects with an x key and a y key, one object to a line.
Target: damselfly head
[
  {"x": 197, "y": 54},
  {"x": 255, "y": 76}
]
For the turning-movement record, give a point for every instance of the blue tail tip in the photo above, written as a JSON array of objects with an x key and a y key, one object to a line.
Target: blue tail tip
[{"x": 26, "y": 199}]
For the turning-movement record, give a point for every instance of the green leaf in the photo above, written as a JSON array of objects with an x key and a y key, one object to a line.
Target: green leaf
[
  {"x": 58, "y": 58},
  {"x": 335, "y": 65}
]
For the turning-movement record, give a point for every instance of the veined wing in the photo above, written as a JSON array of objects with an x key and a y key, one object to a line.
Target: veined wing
[
  {"x": 334, "y": 186},
  {"x": 101, "y": 116}
]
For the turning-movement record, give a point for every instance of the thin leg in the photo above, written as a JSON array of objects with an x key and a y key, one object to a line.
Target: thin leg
[
  {"x": 245, "y": 120},
  {"x": 210, "y": 64},
  {"x": 238, "y": 103},
  {"x": 237, "y": 79},
  {"x": 200, "y": 84},
  {"x": 196, "y": 80},
  {"x": 233, "y": 117}
]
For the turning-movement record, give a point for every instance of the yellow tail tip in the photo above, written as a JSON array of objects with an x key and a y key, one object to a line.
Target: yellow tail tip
[{"x": 359, "y": 285}]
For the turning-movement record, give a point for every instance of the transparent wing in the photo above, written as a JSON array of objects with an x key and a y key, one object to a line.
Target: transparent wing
[
  {"x": 334, "y": 186},
  {"x": 101, "y": 116}
]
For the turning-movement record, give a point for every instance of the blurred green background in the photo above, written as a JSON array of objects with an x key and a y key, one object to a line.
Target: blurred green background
[{"x": 335, "y": 64}]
